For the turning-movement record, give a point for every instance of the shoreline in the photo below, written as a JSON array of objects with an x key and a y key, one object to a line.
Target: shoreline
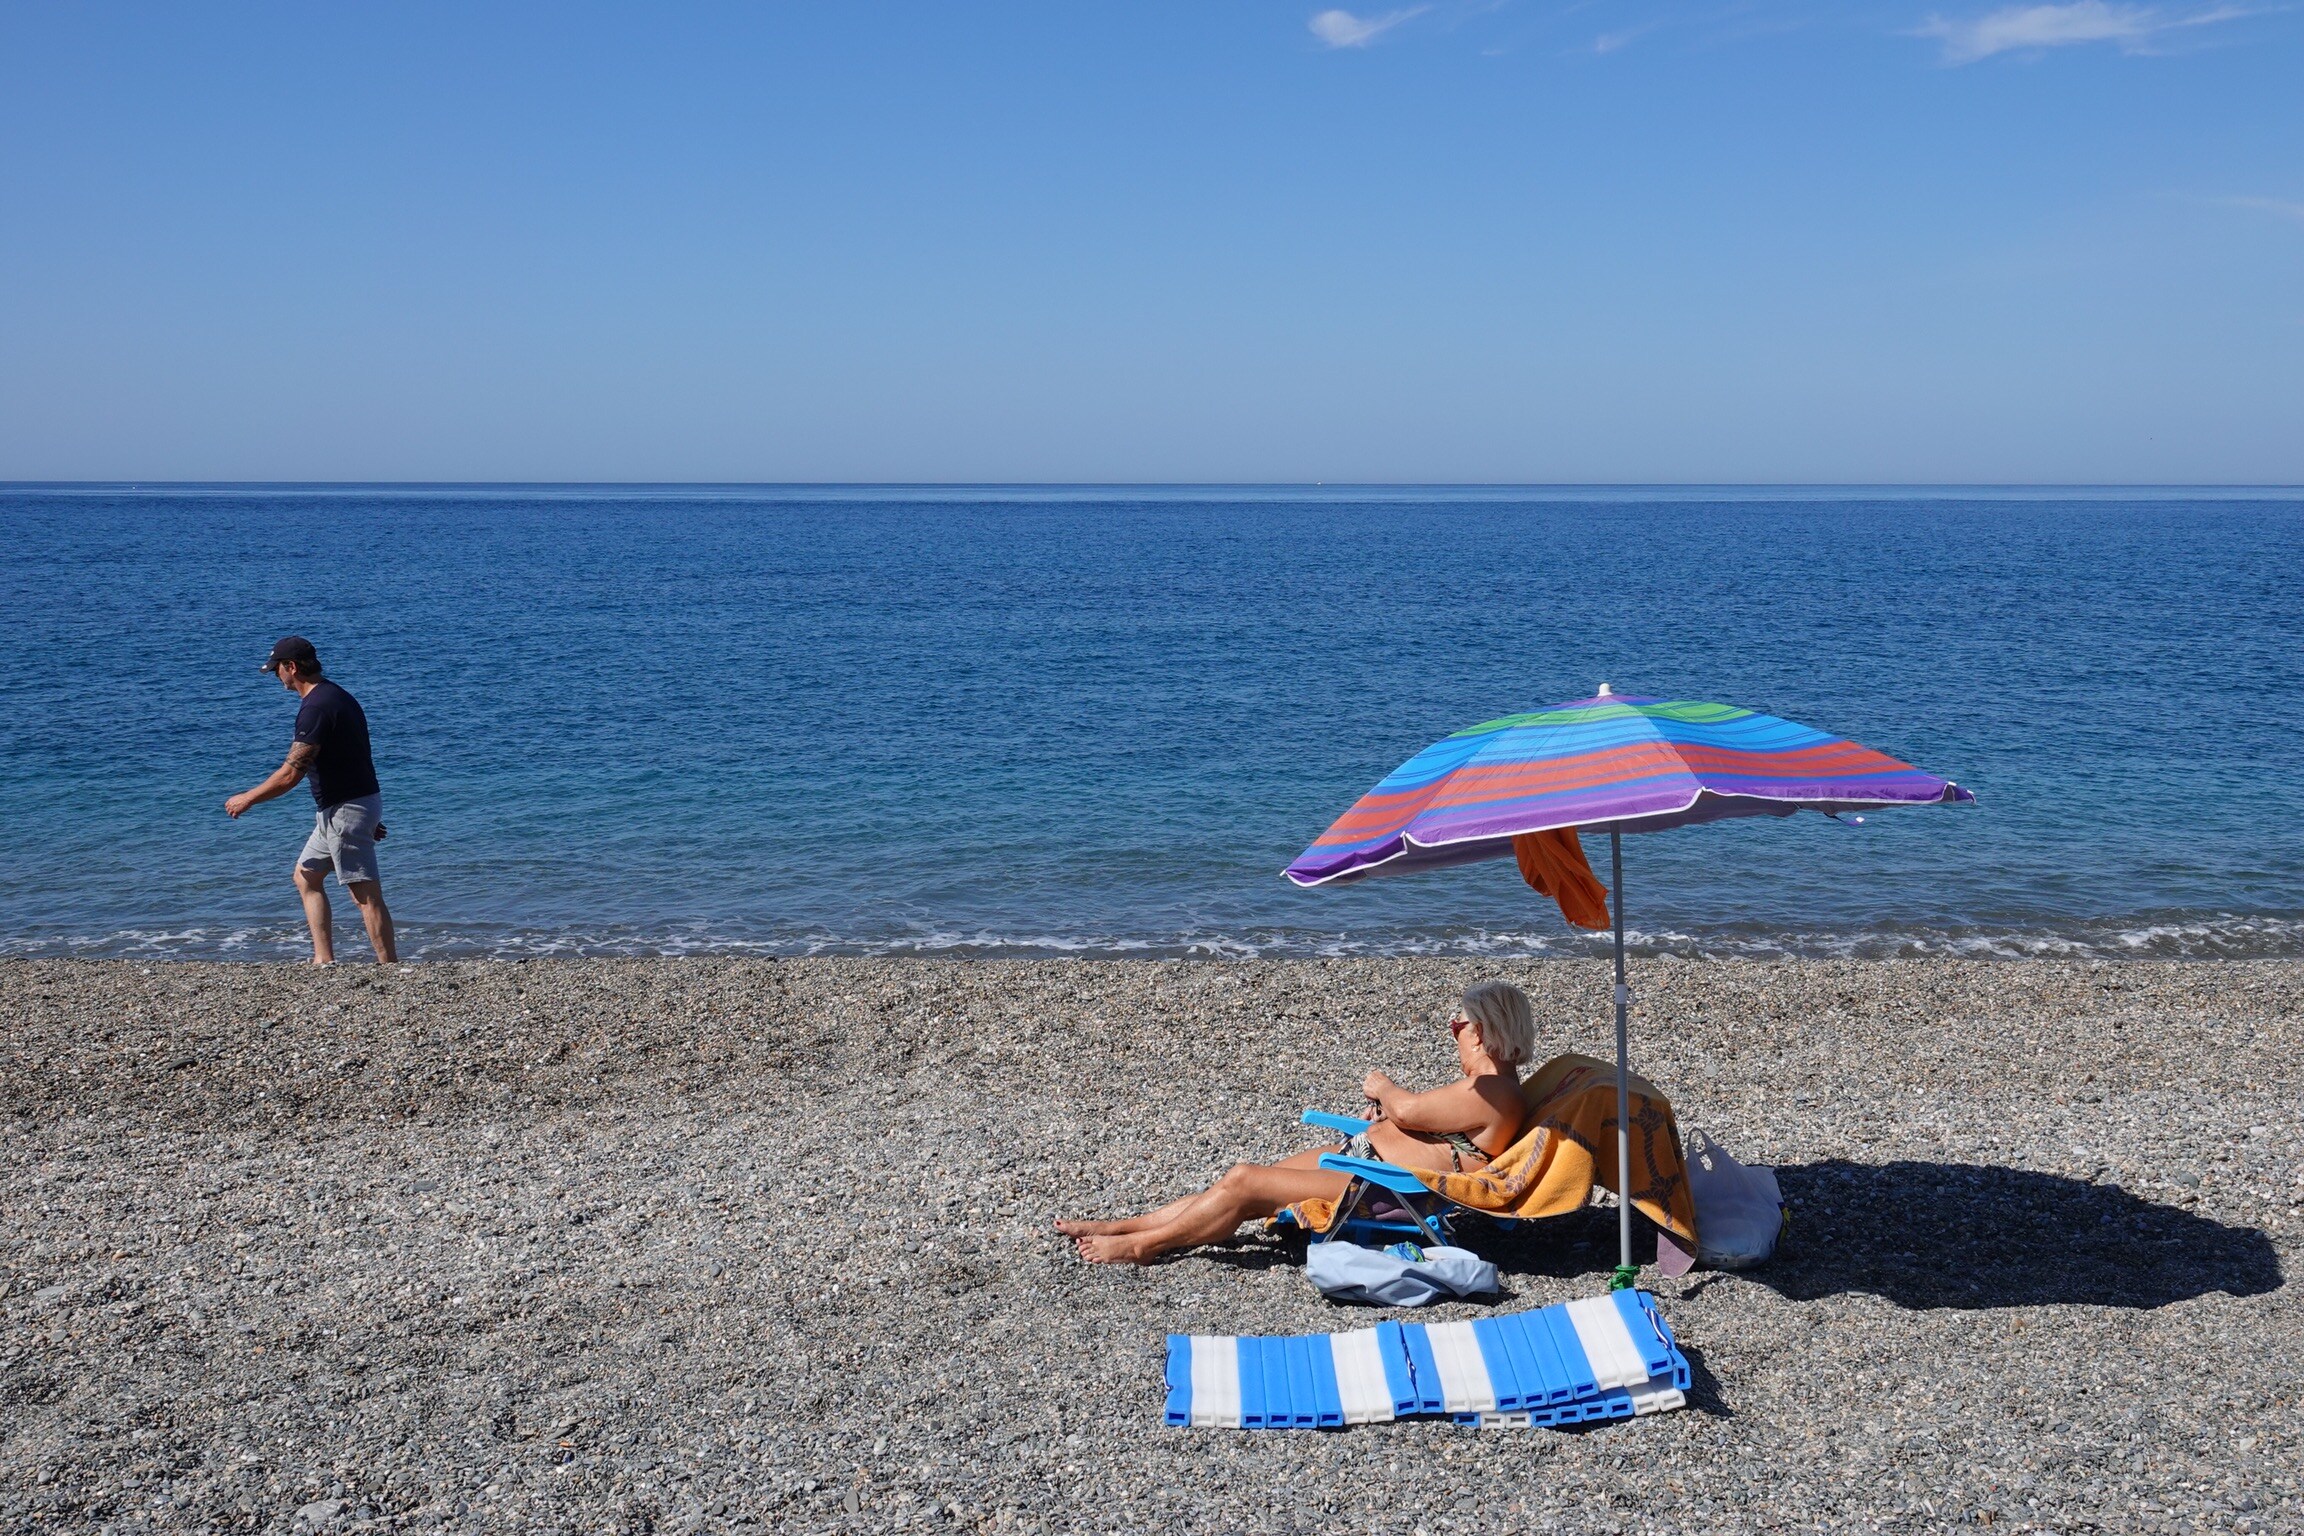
[
  {"x": 2146, "y": 935},
  {"x": 711, "y": 1244}
]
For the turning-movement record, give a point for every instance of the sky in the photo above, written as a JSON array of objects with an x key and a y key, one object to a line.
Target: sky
[{"x": 1506, "y": 241}]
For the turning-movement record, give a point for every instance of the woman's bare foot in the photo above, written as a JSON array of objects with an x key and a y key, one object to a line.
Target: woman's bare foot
[
  {"x": 1125, "y": 1248},
  {"x": 1090, "y": 1228}
]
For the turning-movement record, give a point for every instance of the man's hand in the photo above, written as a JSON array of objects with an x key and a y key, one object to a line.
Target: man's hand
[
  {"x": 284, "y": 778},
  {"x": 1374, "y": 1086}
]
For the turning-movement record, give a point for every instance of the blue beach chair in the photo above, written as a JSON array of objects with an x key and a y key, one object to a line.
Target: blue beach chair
[
  {"x": 1384, "y": 1200},
  {"x": 1575, "y": 1362},
  {"x": 1565, "y": 1149}
]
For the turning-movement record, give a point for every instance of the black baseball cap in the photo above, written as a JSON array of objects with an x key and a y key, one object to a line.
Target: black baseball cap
[{"x": 294, "y": 648}]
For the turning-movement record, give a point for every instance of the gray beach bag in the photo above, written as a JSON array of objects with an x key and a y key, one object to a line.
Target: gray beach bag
[
  {"x": 1344, "y": 1271},
  {"x": 1739, "y": 1210}
]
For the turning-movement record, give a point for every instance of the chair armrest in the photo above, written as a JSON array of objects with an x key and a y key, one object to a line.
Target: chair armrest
[
  {"x": 1389, "y": 1176},
  {"x": 1344, "y": 1123}
]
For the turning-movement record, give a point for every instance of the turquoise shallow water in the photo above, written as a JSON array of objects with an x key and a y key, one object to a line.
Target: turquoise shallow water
[{"x": 1036, "y": 721}]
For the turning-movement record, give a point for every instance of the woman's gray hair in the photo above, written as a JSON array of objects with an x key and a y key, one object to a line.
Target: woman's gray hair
[{"x": 1507, "y": 1024}]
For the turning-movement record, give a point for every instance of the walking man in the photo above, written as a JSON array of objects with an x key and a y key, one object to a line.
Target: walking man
[{"x": 331, "y": 747}]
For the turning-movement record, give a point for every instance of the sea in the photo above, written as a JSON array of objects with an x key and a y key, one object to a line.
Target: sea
[{"x": 1098, "y": 721}]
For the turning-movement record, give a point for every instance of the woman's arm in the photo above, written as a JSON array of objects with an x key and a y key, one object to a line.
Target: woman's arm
[{"x": 1456, "y": 1107}]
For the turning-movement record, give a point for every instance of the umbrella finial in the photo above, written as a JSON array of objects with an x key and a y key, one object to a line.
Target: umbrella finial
[{"x": 1604, "y": 691}]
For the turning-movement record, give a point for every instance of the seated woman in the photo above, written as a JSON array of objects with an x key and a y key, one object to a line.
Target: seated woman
[{"x": 1456, "y": 1128}]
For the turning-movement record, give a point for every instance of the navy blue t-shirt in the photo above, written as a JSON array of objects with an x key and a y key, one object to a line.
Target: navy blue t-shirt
[{"x": 342, "y": 769}]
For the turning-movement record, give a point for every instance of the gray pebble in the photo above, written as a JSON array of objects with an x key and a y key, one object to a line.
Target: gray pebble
[{"x": 718, "y": 1245}]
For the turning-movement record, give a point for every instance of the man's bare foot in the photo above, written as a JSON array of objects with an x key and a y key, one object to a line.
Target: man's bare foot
[
  {"x": 1128, "y": 1249},
  {"x": 1089, "y": 1228}
]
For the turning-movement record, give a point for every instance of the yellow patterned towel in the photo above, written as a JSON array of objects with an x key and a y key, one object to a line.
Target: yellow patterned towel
[{"x": 1569, "y": 1143}]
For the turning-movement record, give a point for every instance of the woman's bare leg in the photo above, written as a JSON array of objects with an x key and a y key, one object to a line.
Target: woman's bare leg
[
  {"x": 1248, "y": 1191},
  {"x": 1166, "y": 1213},
  {"x": 1174, "y": 1208}
]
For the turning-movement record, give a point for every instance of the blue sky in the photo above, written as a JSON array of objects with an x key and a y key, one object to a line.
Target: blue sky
[{"x": 1503, "y": 241}]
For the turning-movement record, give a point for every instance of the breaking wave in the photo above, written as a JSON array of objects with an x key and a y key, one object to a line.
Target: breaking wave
[{"x": 2154, "y": 936}]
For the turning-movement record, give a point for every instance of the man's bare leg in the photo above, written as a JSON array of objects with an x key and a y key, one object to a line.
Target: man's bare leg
[
  {"x": 368, "y": 895},
  {"x": 310, "y": 884},
  {"x": 1174, "y": 1208},
  {"x": 1248, "y": 1191}
]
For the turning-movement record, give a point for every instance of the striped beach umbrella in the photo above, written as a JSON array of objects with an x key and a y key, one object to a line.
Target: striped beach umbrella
[{"x": 1613, "y": 762}]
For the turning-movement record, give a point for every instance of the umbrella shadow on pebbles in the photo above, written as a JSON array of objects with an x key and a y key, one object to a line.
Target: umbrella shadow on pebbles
[{"x": 1972, "y": 1236}]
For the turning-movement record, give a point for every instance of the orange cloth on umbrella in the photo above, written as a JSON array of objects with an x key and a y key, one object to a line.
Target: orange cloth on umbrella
[{"x": 1553, "y": 862}]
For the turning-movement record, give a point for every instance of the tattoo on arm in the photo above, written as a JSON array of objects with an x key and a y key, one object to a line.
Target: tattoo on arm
[{"x": 299, "y": 761}]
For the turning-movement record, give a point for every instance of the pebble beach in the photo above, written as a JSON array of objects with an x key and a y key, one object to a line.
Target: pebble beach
[{"x": 716, "y": 1245}]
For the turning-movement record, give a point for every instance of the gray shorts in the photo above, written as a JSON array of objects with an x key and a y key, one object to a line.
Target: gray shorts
[{"x": 344, "y": 836}]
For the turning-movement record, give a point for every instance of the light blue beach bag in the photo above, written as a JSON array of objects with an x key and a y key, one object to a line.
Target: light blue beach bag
[{"x": 1387, "y": 1277}]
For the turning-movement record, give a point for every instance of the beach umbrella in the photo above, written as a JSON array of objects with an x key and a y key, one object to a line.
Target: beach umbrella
[{"x": 1617, "y": 762}]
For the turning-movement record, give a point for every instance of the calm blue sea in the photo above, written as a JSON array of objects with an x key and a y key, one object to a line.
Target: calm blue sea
[{"x": 1031, "y": 721}]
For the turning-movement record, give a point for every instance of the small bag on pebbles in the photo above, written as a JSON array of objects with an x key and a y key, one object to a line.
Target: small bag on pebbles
[
  {"x": 1403, "y": 1275},
  {"x": 1739, "y": 1210}
]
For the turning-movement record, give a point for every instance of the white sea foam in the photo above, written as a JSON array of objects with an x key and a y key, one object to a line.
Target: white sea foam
[{"x": 2159, "y": 937}]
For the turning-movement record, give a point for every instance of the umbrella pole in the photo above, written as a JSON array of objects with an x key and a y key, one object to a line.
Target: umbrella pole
[{"x": 1626, "y": 1271}]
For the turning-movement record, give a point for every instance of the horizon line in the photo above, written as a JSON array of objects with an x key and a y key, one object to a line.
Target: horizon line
[{"x": 1104, "y": 485}]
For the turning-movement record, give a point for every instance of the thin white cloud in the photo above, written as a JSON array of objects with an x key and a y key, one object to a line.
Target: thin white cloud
[
  {"x": 1342, "y": 29},
  {"x": 2278, "y": 207},
  {"x": 1609, "y": 42},
  {"x": 2028, "y": 28}
]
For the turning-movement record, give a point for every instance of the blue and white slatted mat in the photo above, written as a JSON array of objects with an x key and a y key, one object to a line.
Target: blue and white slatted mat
[{"x": 1603, "y": 1357}]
